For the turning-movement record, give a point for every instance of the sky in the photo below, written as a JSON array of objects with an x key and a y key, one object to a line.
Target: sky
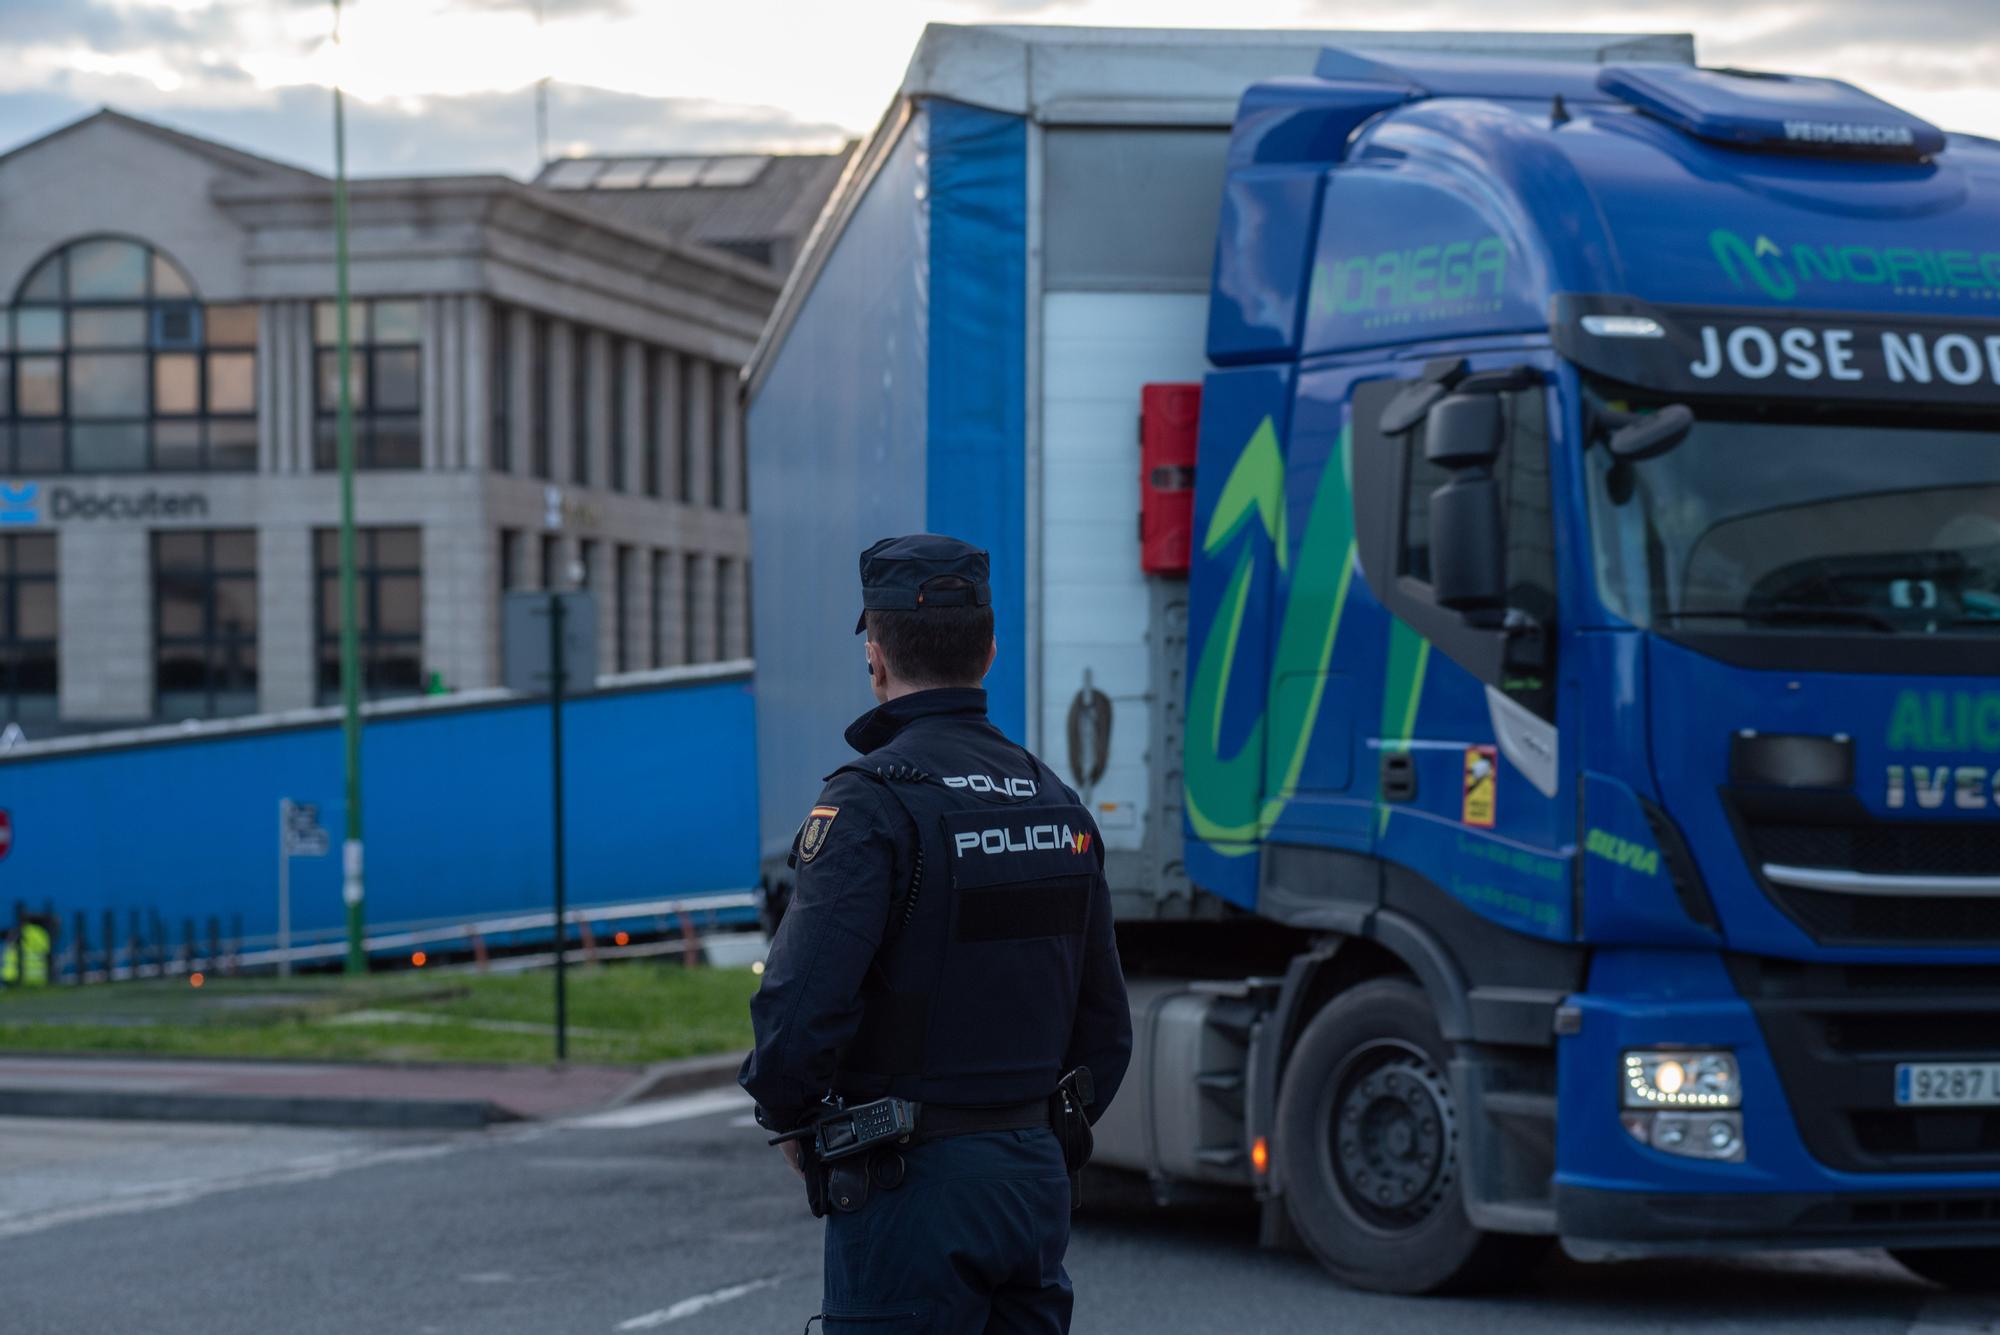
[{"x": 447, "y": 85}]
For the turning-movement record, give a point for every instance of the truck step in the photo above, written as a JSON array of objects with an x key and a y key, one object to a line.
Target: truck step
[{"x": 1220, "y": 1156}]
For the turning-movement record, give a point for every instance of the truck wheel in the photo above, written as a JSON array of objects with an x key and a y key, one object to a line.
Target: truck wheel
[
  {"x": 1368, "y": 1151},
  {"x": 1969, "y": 1269}
]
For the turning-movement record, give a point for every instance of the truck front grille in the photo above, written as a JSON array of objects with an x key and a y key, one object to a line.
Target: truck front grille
[
  {"x": 1846, "y": 839},
  {"x": 1836, "y": 1034}
]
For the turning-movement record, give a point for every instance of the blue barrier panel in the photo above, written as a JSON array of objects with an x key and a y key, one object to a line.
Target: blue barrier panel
[{"x": 660, "y": 779}]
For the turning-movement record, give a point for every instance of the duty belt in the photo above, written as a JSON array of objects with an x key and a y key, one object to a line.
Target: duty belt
[{"x": 936, "y": 1121}]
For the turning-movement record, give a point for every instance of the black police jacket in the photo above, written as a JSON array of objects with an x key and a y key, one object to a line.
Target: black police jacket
[{"x": 949, "y": 937}]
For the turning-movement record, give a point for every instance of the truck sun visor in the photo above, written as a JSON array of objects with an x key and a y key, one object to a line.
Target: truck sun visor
[{"x": 1774, "y": 112}]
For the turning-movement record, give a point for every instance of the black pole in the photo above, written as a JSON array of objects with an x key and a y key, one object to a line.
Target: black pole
[
  {"x": 556, "y": 684},
  {"x": 80, "y": 947}
]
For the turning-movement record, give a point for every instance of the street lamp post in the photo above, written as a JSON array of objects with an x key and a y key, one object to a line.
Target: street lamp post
[{"x": 350, "y": 646}]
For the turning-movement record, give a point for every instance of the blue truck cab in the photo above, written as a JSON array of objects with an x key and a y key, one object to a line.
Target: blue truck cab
[{"x": 1594, "y": 610}]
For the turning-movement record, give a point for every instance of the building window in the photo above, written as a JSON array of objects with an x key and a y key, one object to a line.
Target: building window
[
  {"x": 649, "y": 373},
  {"x": 511, "y": 570},
  {"x": 742, "y": 458},
  {"x": 656, "y": 648},
  {"x": 621, "y": 614},
  {"x": 388, "y": 611},
  {"x": 27, "y": 628},
  {"x": 718, "y": 404},
  {"x": 539, "y": 394},
  {"x": 110, "y": 364},
  {"x": 205, "y": 623},
  {"x": 617, "y": 409},
  {"x": 385, "y": 383},
  {"x": 723, "y": 567},
  {"x": 691, "y": 370},
  {"x": 690, "y": 581},
  {"x": 579, "y": 405},
  {"x": 551, "y": 557},
  {"x": 500, "y": 424}
]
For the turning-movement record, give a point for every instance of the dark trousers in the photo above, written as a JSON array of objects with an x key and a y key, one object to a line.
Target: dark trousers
[{"x": 971, "y": 1243}]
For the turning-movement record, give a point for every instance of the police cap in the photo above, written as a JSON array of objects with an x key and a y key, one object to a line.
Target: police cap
[{"x": 903, "y": 574}]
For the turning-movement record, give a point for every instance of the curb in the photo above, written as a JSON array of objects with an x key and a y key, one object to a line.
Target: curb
[
  {"x": 685, "y": 1076},
  {"x": 388, "y": 1114}
]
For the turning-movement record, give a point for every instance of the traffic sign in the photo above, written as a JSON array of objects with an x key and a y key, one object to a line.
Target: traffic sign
[
  {"x": 6, "y": 833},
  {"x": 303, "y": 835}
]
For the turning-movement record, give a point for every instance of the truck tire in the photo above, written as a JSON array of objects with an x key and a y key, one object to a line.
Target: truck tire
[
  {"x": 1367, "y": 1150},
  {"x": 1967, "y": 1269}
]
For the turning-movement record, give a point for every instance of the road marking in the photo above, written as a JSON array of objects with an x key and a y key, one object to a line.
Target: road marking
[
  {"x": 168, "y": 1194},
  {"x": 653, "y": 1112},
  {"x": 701, "y": 1302}
]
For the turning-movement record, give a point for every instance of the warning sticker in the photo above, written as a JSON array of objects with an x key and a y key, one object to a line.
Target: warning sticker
[{"x": 1481, "y": 771}]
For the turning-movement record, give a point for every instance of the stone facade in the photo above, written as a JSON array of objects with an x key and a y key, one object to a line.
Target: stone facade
[{"x": 512, "y": 284}]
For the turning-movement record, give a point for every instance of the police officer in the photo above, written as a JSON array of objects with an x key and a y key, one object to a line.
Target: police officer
[{"x": 948, "y": 942}]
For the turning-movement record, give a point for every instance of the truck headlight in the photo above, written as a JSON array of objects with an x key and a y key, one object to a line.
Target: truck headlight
[{"x": 1690, "y": 1079}]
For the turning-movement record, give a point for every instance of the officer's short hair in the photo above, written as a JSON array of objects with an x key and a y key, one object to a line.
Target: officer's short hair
[{"x": 934, "y": 646}]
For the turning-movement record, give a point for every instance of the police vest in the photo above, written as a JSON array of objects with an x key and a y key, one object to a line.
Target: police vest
[{"x": 971, "y": 999}]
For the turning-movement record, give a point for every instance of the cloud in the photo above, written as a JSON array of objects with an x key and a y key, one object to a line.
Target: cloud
[
  {"x": 487, "y": 132},
  {"x": 102, "y": 27}
]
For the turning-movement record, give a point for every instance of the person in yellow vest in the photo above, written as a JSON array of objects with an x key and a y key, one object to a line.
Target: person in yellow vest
[{"x": 25, "y": 963}]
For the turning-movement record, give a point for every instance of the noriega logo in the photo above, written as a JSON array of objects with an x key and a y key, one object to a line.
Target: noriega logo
[{"x": 1020, "y": 840}]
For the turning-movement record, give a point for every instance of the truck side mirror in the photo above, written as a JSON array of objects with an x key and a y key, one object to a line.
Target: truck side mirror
[
  {"x": 1633, "y": 437},
  {"x": 1463, "y": 431},
  {"x": 1467, "y": 529},
  {"x": 1468, "y": 543}
]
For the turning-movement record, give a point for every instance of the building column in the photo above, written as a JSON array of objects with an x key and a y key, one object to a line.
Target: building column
[
  {"x": 287, "y": 634},
  {"x": 476, "y": 329},
  {"x": 104, "y": 621},
  {"x": 670, "y": 606},
  {"x": 461, "y": 602},
  {"x": 702, "y": 602},
  {"x": 284, "y": 387},
  {"x": 700, "y": 421}
]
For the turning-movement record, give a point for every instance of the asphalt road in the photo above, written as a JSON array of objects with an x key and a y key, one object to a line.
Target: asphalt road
[{"x": 675, "y": 1215}]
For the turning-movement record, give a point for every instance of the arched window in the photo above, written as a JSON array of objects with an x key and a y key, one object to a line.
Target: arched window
[{"x": 109, "y": 363}]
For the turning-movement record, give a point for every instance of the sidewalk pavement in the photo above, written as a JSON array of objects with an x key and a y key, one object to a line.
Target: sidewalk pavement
[{"x": 379, "y": 1095}]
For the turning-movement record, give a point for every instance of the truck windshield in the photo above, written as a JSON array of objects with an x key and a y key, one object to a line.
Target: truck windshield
[{"x": 1885, "y": 525}]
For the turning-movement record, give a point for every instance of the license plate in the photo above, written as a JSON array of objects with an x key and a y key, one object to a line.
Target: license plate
[{"x": 1948, "y": 1084}]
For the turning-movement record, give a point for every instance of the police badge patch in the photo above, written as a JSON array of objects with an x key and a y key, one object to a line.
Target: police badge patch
[{"x": 813, "y": 837}]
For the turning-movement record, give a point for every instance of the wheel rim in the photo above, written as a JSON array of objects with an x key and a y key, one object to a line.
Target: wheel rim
[{"x": 1391, "y": 1142}]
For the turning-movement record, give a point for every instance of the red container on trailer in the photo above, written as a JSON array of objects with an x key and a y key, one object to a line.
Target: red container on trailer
[{"x": 1169, "y": 424}]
